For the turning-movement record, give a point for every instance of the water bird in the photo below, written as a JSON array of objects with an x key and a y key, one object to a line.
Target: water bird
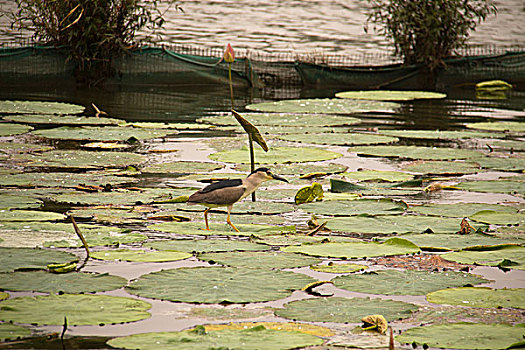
[{"x": 226, "y": 193}]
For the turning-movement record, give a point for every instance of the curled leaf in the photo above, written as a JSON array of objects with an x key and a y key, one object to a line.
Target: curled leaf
[
  {"x": 309, "y": 193},
  {"x": 251, "y": 130},
  {"x": 375, "y": 322}
]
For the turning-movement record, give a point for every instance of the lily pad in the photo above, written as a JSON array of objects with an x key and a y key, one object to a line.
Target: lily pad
[
  {"x": 140, "y": 255},
  {"x": 10, "y": 331},
  {"x": 378, "y": 175},
  {"x": 73, "y": 282},
  {"x": 344, "y": 139},
  {"x": 120, "y": 197},
  {"x": 109, "y": 215},
  {"x": 181, "y": 168},
  {"x": 8, "y": 129},
  {"x": 212, "y": 285},
  {"x": 339, "y": 268},
  {"x": 504, "y": 164},
  {"x": 39, "y": 107},
  {"x": 251, "y": 338},
  {"x": 460, "y": 210},
  {"x": 275, "y": 155},
  {"x": 344, "y": 310},
  {"x": 206, "y": 245},
  {"x": 81, "y": 159},
  {"x": 196, "y": 228},
  {"x": 443, "y": 241},
  {"x": 106, "y": 133},
  {"x": 442, "y": 167},
  {"x": 407, "y": 282},
  {"x": 356, "y": 207},
  {"x": 390, "y": 95},
  {"x": 437, "y": 134},
  {"x": 416, "y": 152},
  {"x": 260, "y": 207},
  {"x": 499, "y": 218},
  {"x": 263, "y": 260},
  {"x": 80, "y": 309},
  {"x": 298, "y": 169},
  {"x": 14, "y": 147},
  {"x": 4, "y": 295},
  {"x": 278, "y": 326},
  {"x": 494, "y": 186},
  {"x": 53, "y": 119},
  {"x": 479, "y": 297},
  {"x": 464, "y": 335},
  {"x": 505, "y": 126},
  {"x": 29, "y": 215},
  {"x": 354, "y": 250},
  {"x": 12, "y": 259},
  {"x": 10, "y": 201},
  {"x": 283, "y": 120},
  {"x": 325, "y": 106},
  {"x": 506, "y": 256},
  {"x": 56, "y": 179}
]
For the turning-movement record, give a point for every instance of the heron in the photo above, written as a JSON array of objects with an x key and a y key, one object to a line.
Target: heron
[{"x": 226, "y": 193}]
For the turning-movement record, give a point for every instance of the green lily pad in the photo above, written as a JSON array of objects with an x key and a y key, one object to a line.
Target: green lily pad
[
  {"x": 514, "y": 127},
  {"x": 479, "y": 297},
  {"x": 494, "y": 186},
  {"x": 416, "y": 152},
  {"x": 499, "y": 218},
  {"x": 196, "y": 228},
  {"x": 73, "y": 282},
  {"x": 53, "y": 119},
  {"x": 4, "y": 295},
  {"x": 354, "y": 250},
  {"x": 206, "y": 245},
  {"x": 140, "y": 255},
  {"x": 390, "y": 95},
  {"x": 108, "y": 215},
  {"x": 212, "y": 285},
  {"x": 29, "y": 215},
  {"x": 283, "y": 120},
  {"x": 286, "y": 240},
  {"x": 443, "y": 241},
  {"x": 275, "y": 155},
  {"x": 504, "y": 164},
  {"x": 356, "y": 207},
  {"x": 344, "y": 139},
  {"x": 442, "y": 167},
  {"x": 105, "y": 133},
  {"x": 298, "y": 169},
  {"x": 39, "y": 107},
  {"x": 8, "y": 129},
  {"x": 344, "y": 310},
  {"x": 509, "y": 256},
  {"x": 10, "y": 201},
  {"x": 464, "y": 335},
  {"x": 80, "y": 309},
  {"x": 161, "y": 125},
  {"x": 508, "y": 145},
  {"x": 181, "y": 168},
  {"x": 437, "y": 134},
  {"x": 460, "y": 210},
  {"x": 14, "y": 147},
  {"x": 10, "y": 331},
  {"x": 81, "y": 159},
  {"x": 378, "y": 175},
  {"x": 250, "y": 338},
  {"x": 407, "y": 282},
  {"x": 341, "y": 188},
  {"x": 26, "y": 258},
  {"x": 62, "y": 179},
  {"x": 121, "y": 197},
  {"x": 325, "y": 106},
  {"x": 339, "y": 268},
  {"x": 260, "y": 207},
  {"x": 263, "y": 260}
]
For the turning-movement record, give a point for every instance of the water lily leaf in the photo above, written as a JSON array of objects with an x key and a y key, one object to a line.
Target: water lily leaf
[
  {"x": 73, "y": 282},
  {"x": 213, "y": 285},
  {"x": 17, "y": 258},
  {"x": 493, "y": 257},
  {"x": 443, "y": 241},
  {"x": 354, "y": 250},
  {"x": 276, "y": 155},
  {"x": 81, "y": 159},
  {"x": 29, "y": 215},
  {"x": 10, "y": 331},
  {"x": 260, "y": 207},
  {"x": 339, "y": 268},
  {"x": 140, "y": 255},
  {"x": 406, "y": 282},
  {"x": 105, "y": 133},
  {"x": 181, "y": 168},
  {"x": 9, "y": 129},
  {"x": 121, "y": 197},
  {"x": 513, "y": 127},
  {"x": 228, "y": 312},
  {"x": 343, "y": 139},
  {"x": 62, "y": 179},
  {"x": 11, "y": 201},
  {"x": 437, "y": 134},
  {"x": 325, "y": 106},
  {"x": 14, "y": 147},
  {"x": 464, "y": 335},
  {"x": 284, "y": 120},
  {"x": 39, "y": 107},
  {"x": 278, "y": 326},
  {"x": 390, "y": 95},
  {"x": 378, "y": 175},
  {"x": 162, "y": 125},
  {"x": 308, "y": 194},
  {"x": 196, "y": 228},
  {"x": 206, "y": 245},
  {"x": 251, "y": 130},
  {"x": 459, "y": 210},
  {"x": 286, "y": 240},
  {"x": 108, "y": 215},
  {"x": 344, "y": 310},
  {"x": 504, "y": 164},
  {"x": 53, "y": 119},
  {"x": 370, "y": 207},
  {"x": 415, "y": 152},
  {"x": 507, "y": 145},
  {"x": 442, "y": 167},
  {"x": 479, "y": 297},
  {"x": 251, "y": 338},
  {"x": 494, "y": 186},
  {"x": 4, "y": 295},
  {"x": 298, "y": 169},
  {"x": 499, "y": 218},
  {"x": 266, "y": 260},
  {"x": 80, "y": 309}
]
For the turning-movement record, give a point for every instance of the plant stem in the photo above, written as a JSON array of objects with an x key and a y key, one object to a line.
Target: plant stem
[
  {"x": 231, "y": 83},
  {"x": 252, "y": 159}
]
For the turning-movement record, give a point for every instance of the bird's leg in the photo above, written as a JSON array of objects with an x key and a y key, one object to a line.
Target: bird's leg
[
  {"x": 206, "y": 218},
  {"x": 228, "y": 218}
]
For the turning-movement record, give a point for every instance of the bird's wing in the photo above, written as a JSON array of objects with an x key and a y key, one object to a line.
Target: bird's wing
[
  {"x": 221, "y": 184},
  {"x": 220, "y": 196}
]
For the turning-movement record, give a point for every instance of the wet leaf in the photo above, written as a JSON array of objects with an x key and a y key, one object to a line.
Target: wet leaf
[
  {"x": 262, "y": 260},
  {"x": 499, "y": 218},
  {"x": 370, "y": 207},
  {"x": 326, "y": 106},
  {"x": 120, "y": 197},
  {"x": 378, "y": 175},
  {"x": 9, "y": 129},
  {"x": 298, "y": 169},
  {"x": 14, "y": 147},
  {"x": 260, "y": 207},
  {"x": 275, "y": 155},
  {"x": 81, "y": 159},
  {"x": 62, "y": 179},
  {"x": 479, "y": 297},
  {"x": 213, "y": 285},
  {"x": 206, "y": 245},
  {"x": 29, "y": 215},
  {"x": 197, "y": 228},
  {"x": 283, "y": 120},
  {"x": 494, "y": 186},
  {"x": 80, "y": 309},
  {"x": 139, "y": 255},
  {"x": 106, "y": 133},
  {"x": 504, "y": 164},
  {"x": 11, "y": 201},
  {"x": 308, "y": 194},
  {"x": 442, "y": 167},
  {"x": 416, "y": 152},
  {"x": 437, "y": 134},
  {"x": 390, "y": 95},
  {"x": 343, "y": 139},
  {"x": 339, "y": 268},
  {"x": 10, "y": 331},
  {"x": 443, "y": 241},
  {"x": 27, "y": 258},
  {"x": 494, "y": 257},
  {"x": 181, "y": 168},
  {"x": 512, "y": 127},
  {"x": 39, "y": 107},
  {"x": 460, "y": 210},
  {"x": 53, "y": 119}
]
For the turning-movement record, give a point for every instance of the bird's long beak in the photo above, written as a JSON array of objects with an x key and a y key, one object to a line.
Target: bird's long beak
[{"x": 277, "y": 177}]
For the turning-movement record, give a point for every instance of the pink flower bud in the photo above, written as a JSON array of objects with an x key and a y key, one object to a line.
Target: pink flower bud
[{"x": 229, "y": 55}]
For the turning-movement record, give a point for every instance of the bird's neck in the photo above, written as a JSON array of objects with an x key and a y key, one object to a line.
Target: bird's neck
[{"x": 251, "y": 186}]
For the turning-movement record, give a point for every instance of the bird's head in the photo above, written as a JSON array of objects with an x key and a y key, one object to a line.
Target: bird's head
[{"x": 263, "y": 174}]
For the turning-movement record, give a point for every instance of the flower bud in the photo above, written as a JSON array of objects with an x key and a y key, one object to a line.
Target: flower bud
[{"x": 229, "y": 55}]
